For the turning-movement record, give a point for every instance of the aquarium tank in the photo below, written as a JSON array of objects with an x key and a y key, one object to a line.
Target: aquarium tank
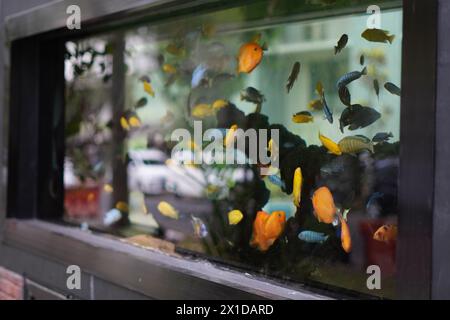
[{"x": 262, "y": 136}]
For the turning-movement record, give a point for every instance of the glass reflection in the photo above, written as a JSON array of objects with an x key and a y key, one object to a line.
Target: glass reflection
[{"x": 328, "y": 89}]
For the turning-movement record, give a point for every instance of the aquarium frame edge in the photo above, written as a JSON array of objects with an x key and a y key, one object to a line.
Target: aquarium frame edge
[{"x": 428, "y": 242}]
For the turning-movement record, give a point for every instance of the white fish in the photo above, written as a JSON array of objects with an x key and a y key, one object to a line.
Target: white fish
[{"x": 111, "y": 217}]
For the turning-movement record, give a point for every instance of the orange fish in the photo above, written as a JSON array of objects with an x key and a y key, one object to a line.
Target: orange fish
[
  {"x": 267, "y": 228},
  {"x": 250, "y": 56},
  {"x": 386, "y": 233},
  {"x": 323, "y": 203},
  {"x": 346, "y": 239}
]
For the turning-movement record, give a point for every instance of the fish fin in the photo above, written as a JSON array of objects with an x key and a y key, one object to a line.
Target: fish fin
[
  {"x": 391, "y": 38},
  {"x": 336, "y": 50},
  {"x": 264, "y": 47},
  {"x": 345, "y": 214},
  {"x": 364, "y": 71},
  {"x": 372, "y": 149}
]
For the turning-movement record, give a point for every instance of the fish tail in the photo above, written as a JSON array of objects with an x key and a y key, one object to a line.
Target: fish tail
[
  {"x": 341, "y": 126},
  {"x": 364, "y": 71},
  {"x": 391, "y": 39}
]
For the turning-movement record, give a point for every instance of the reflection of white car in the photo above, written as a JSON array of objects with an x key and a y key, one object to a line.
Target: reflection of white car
[
  {"x": 152, "y": 172},
  {"x": 149, "y": 173}
]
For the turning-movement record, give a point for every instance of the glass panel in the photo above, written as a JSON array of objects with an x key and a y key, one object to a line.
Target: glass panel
[{"x": 264, "y": 136}]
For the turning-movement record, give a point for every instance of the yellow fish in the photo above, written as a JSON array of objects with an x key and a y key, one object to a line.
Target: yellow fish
[
  {"x": 202, "y": 110},
  {"x": 175, "y": 49},
  {"x": 134, "y": 122},
  {"x": 124, "y": 123},
  {"x": 192, "y": 145},
  {"x": 355, "y": 144},
  {"x": 167, "y": 210},
  {"x": 219, "y": 104},
  {"x": 168, "y": 68},
  {"x": 324, "y": 207},
  {"x": 149, "y": 89},
  {"x": 319, "y": 89},
  {"x": 234, "y": 217},
  {"x": 122, "y": 206},
  {"x": 274, "y": 150},
  {"x": 346, "y": 239},
  {"x": 377, "y": 35},
  {"x": 267, "y": 228},
  {"x": 229, "y": 138},
  {"x": 315, "y": 105},
  {"x": 250, "y": 56},
  {"x": 302, "y": 117},
  {"x": 297, "y": 186},
  {"x": 330, "y": 145},
  {"x": 386, "y": 233}
]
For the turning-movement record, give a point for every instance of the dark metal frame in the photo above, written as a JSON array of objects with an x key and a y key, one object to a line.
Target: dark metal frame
[
  {"x": 37, "y": 68},
  {"x": 417, "y": 150}
]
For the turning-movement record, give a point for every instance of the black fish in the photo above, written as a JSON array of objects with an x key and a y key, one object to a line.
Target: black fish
[
  {"x": 357, "y": 117},
  {"x": 344, "y": 95},
  {"x": 392, "y": 88},
  {"x": 376, "y": 86},
  {"x": 348, "y": 78},
  {"x": 145, "y": 79},
  {"x": 341, "y": 44},
  {"x": 373, "y": 198},
  {"x": 141, "y": 103},
  {"x": 293, "y": 77},
  {"x": 362, "y": 60},
  {"x": 382, "y": 137},
  {"x": 251, "y": 94}
]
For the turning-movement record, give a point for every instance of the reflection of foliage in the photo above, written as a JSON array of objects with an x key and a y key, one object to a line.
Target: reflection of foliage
[{"x": 86, "y": 136}]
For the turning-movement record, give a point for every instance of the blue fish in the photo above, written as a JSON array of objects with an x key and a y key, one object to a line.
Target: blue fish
[
  {"x": 374, "y": 197},
  {"x": 312, "y": 237},
  {"x": 327, "y": 111},
  {"x": 346, "y": 79},
  {"x": 199, "y": 227},
  {"x": 276, "y": 180},
  {"x": 198, "y": 75}
]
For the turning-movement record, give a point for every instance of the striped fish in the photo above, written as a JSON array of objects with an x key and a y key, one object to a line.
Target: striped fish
[
  {"x": 312, "y": 237},
  {"x": 348, "y": 78},
  {"x": 355, "y": 144}
]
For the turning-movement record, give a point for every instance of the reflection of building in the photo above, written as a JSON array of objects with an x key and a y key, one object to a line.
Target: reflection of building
[{"x": 312, "y": 44}]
